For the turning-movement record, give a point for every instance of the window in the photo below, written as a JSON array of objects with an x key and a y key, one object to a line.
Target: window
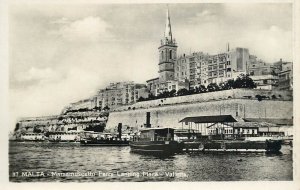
[
  {"x": 170, "y": 54},
  {"x": 192, "y": 59}
]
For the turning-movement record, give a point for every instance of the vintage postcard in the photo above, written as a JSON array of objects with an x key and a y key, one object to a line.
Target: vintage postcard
[{"x": 182, "y": 92}]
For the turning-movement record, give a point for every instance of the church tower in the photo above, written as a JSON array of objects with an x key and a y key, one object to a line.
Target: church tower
[{"x": 167, "y": 55}]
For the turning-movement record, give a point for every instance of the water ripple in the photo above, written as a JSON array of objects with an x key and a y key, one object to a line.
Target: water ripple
[{"x": 119, "y": 164}]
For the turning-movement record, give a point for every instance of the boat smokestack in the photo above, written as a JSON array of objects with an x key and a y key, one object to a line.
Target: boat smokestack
[
  {"x": 148, "y": 124},
  {"x": 120, "y": 130}
]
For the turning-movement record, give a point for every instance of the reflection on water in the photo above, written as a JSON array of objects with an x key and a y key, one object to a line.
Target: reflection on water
[{"x": 72, "y": 162}]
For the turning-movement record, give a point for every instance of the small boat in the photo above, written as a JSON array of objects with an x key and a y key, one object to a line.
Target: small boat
[{"x": 156, "y": 141}]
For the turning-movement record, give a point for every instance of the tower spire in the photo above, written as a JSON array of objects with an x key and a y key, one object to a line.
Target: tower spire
[{"x": 168, "y": 30}]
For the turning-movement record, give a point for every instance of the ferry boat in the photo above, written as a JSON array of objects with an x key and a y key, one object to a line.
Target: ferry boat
[
  {"x": 104, "y": 142},
  {"x": 105, "y": 139},
  {"x": 156, "y": 141}
]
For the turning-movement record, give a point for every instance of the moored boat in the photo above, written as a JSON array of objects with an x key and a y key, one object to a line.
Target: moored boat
[
  {"x": 104, "y": 142},
  {"x": 106, "y": 139},
  {"x": 156, "y": 141}
]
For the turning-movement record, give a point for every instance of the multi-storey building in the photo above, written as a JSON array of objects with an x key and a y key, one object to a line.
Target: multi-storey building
[
  {"x": 191, "y": 68},
  {"x": 202, "y": 69},
  {"x": 217, "y": 68},
  {"x": 121, "y": 93},
  {"x": 114, "y": 95},
  {"x": 263, "y": 74},
  {"x": 285, "y": 76},
  {"x": 153, "y": 86}
]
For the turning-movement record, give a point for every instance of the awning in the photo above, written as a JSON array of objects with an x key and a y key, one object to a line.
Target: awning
[{"x": 210, "y": 119}]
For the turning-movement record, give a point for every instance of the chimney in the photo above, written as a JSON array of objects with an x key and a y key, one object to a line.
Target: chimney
[
  {"x": 120, "y": 130},
  {"x": 148, "y": 125}
]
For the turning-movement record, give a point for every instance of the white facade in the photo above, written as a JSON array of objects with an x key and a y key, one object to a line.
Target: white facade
[{"x": 33, "y": 136}]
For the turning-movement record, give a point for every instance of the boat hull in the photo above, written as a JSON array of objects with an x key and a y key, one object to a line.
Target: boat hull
[
  {"x": 104, "y": 143},
  {"x": 156, "y": 147}
]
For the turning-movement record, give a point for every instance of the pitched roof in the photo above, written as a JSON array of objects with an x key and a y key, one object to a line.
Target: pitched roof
[{"x": 210, "y": 119}]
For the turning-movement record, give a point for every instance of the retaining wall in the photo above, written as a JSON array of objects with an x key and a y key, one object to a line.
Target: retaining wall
[{"x": 170, "y": 115}]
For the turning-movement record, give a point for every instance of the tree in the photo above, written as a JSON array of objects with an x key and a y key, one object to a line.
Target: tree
[
  {"x": 164, "y": 94},
  {"x": 141, "y": 99},
  {"x": 172, "y": 93},
  {"x": 191, "y": 91},
  {"x": 202, "y": 89},
  {"x": 222, "y": 85},
  {"x": 182, "y": 92},
  {"x": 213, "y": 87},
  {"x": 151, "y": 97},
  {"x": 229, "y": 84},
  {"x": 244, "y": 81}
]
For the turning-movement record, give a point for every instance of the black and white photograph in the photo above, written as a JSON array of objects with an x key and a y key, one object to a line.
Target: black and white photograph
[{"x": 151, "y": 92}]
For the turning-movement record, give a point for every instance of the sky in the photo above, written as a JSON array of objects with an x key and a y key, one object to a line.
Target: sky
[{"x": 61, "y": 53}]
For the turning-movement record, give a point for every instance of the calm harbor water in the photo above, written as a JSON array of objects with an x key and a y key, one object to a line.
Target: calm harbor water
[{"x": 69, "y": 162}]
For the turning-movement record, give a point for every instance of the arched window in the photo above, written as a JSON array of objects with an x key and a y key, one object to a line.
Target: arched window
[
  {"x": 162, "y": 55},
  {"x": 170, "y": 54}
]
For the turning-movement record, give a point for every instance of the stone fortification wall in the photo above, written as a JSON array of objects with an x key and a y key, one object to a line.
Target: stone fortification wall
[
  {"x": 170, "y": 115},
  {"x": 212, "y": 96}
]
